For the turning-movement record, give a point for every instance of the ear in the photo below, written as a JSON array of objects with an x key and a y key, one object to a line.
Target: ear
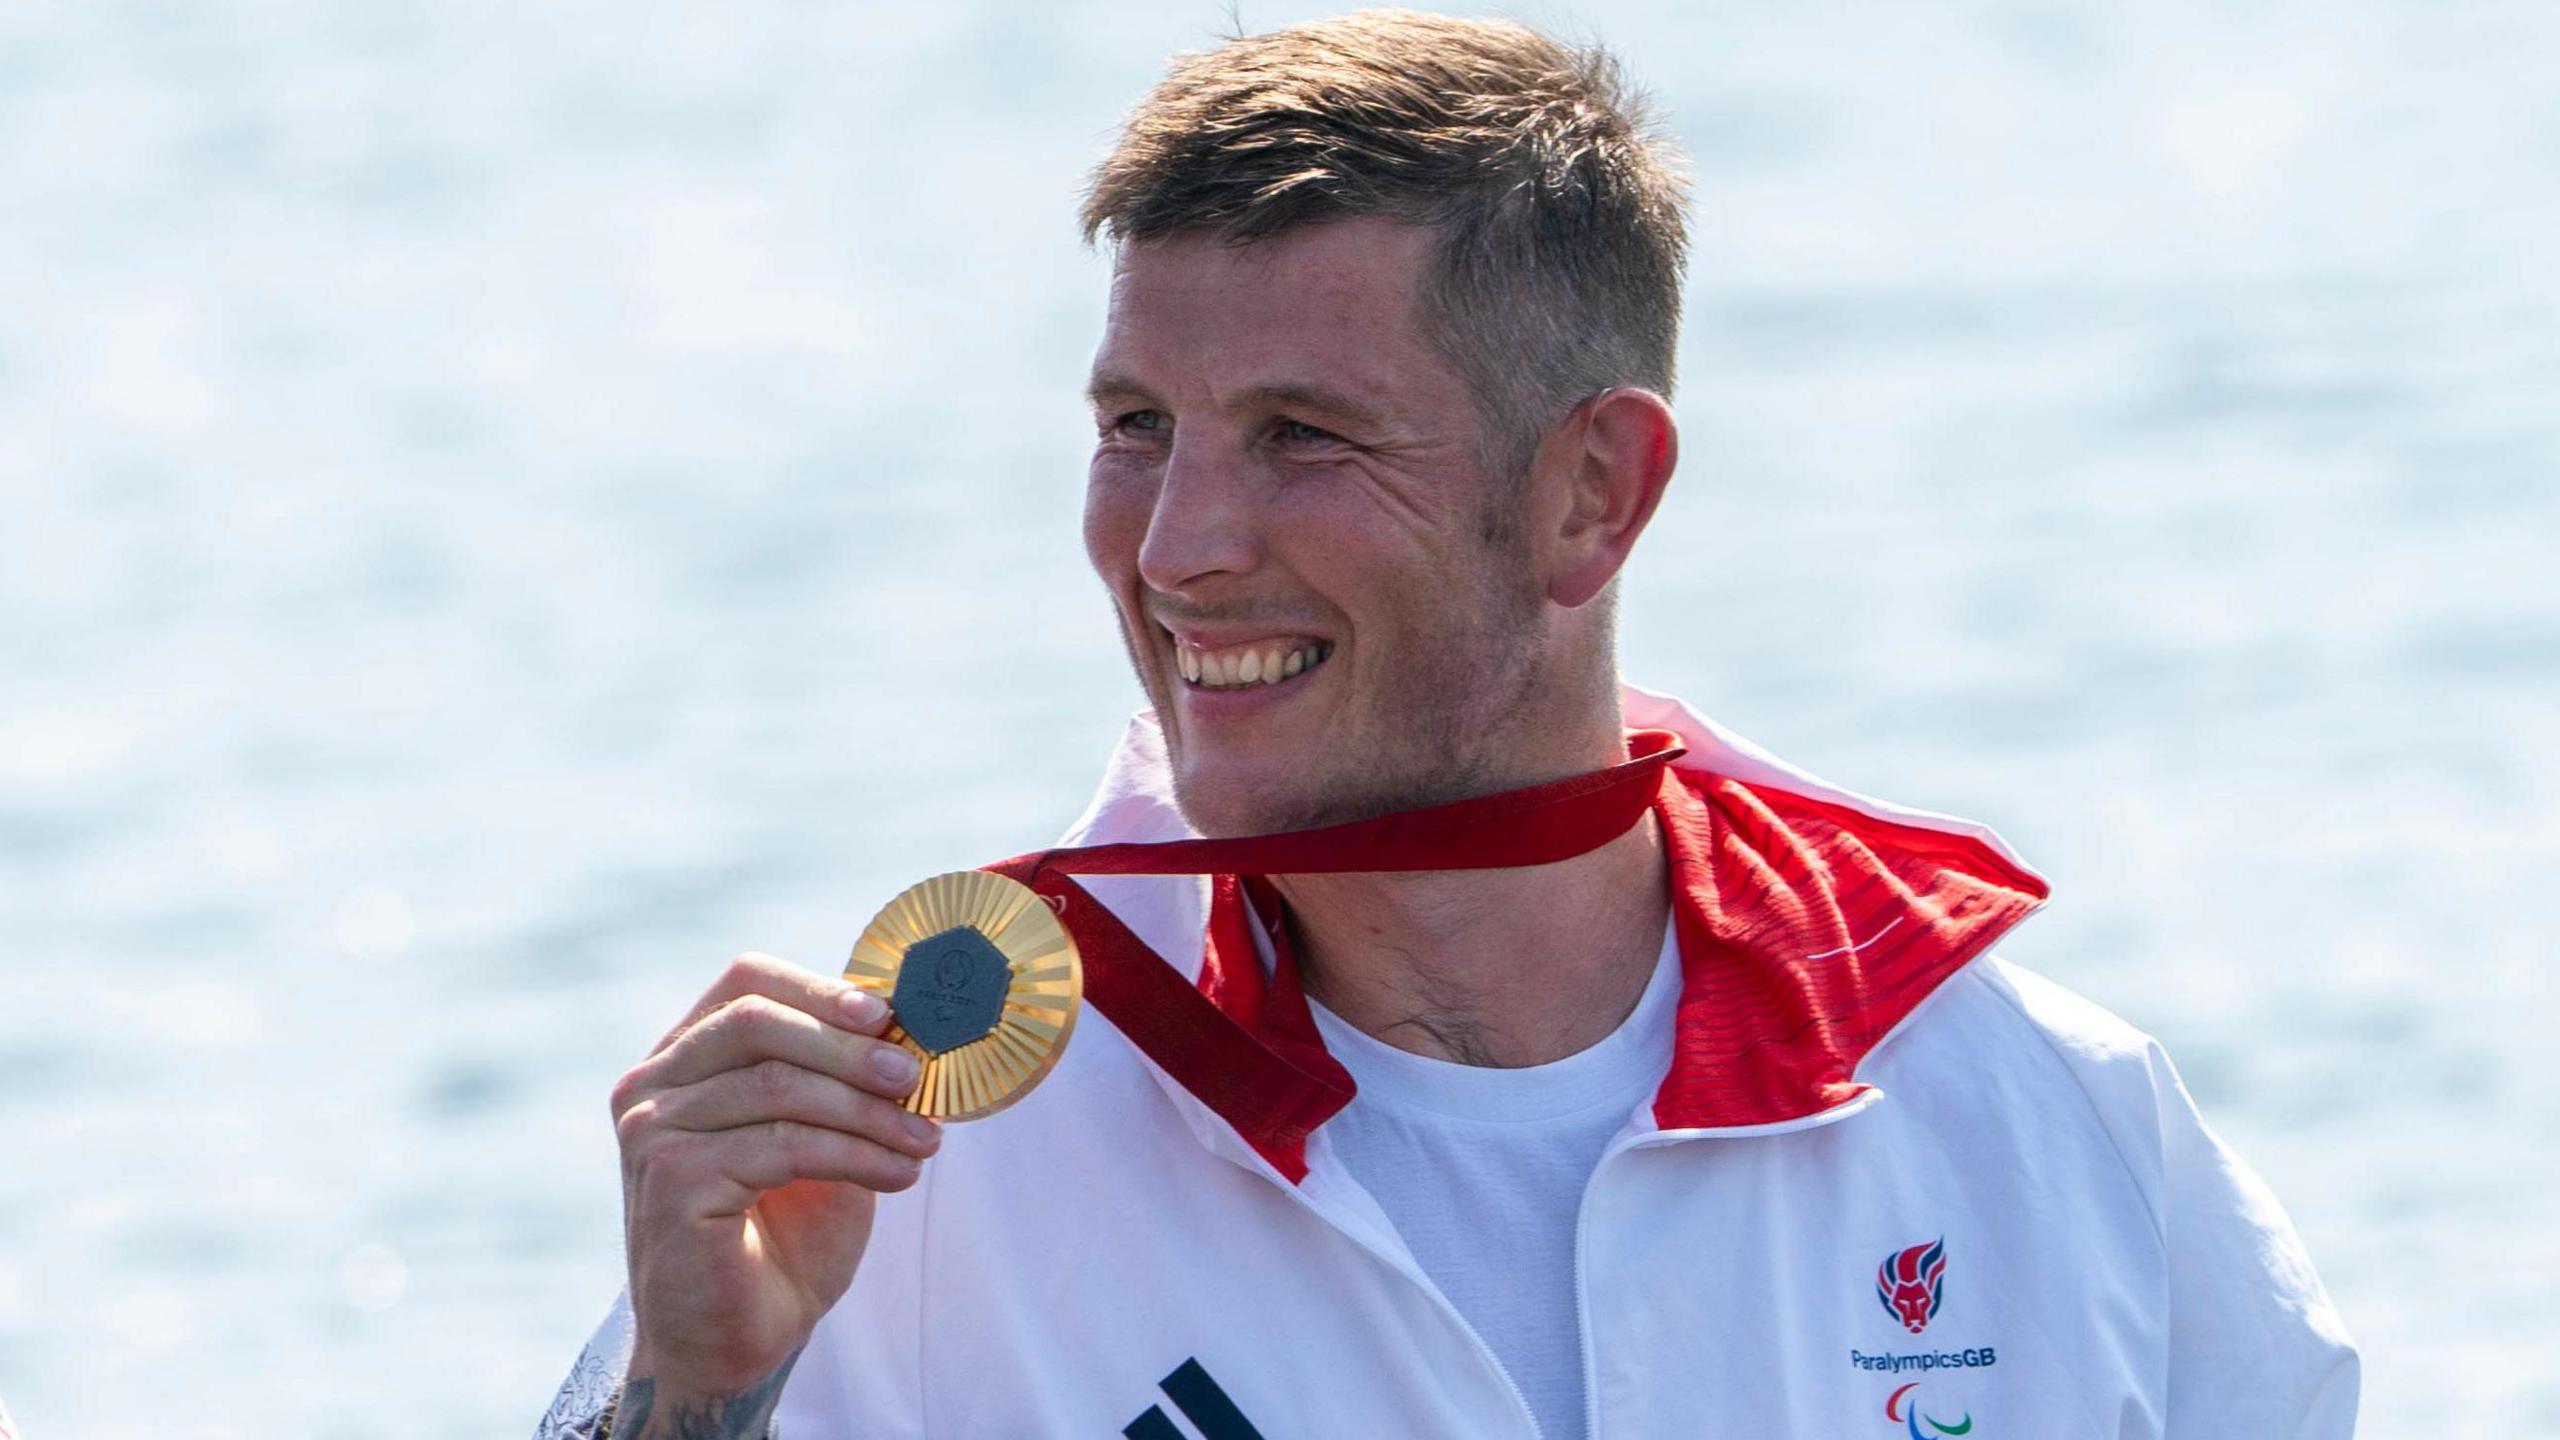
[{"x": 1599, "y": 477}]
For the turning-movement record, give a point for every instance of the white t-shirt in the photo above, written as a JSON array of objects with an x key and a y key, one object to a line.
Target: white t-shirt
[{"x": 1482, "y": 1171}]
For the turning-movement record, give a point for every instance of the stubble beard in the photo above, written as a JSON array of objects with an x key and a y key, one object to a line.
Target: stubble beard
[{"x": 1444, "y": 731}]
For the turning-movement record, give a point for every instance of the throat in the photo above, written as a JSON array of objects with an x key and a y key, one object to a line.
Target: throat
[
  {"x": 1454, "y": 1036},
  {"x": 1494, "y": 968}
]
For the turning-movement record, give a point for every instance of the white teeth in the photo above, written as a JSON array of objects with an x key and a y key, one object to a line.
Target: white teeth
[{"x": 1247, "y": 667}]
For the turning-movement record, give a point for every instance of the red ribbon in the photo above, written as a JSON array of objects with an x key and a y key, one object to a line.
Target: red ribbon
[{"x": 1263, "y": 1068}]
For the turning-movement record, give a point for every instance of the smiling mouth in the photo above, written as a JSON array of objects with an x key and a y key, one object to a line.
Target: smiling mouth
[{"x": 1241, "y": 667}]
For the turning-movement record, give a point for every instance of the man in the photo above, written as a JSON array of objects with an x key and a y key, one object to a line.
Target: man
[{"x": 1716, "y": 1120}]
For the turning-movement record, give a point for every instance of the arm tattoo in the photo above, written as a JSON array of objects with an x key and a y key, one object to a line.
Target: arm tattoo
[{"x": 747, "y": 1415}]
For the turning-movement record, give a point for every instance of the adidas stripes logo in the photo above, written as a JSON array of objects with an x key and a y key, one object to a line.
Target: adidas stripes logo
[{"x": 1201, "y": 1401}]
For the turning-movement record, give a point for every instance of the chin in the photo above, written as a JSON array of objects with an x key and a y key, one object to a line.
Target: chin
[
  {"x": 1226, "y": 807},
  {"x": 1225, "y": 802}
]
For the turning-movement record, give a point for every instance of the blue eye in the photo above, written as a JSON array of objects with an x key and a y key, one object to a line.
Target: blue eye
[
  {"x": 1299, "y": 432},
  {"x": 1144, "y": 421}
]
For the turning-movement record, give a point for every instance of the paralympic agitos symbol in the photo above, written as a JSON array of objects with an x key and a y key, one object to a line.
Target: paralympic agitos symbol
[
  {"x": 1912, "y": 1419},
  {"x": 1911, "y": 1284}
]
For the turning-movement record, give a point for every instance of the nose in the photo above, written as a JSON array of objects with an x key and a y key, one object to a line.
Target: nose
[{"x": 1202, "y": 525}]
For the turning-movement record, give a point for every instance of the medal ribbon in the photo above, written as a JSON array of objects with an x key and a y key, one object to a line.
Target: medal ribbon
[{"x": 1256, "y": 1060}]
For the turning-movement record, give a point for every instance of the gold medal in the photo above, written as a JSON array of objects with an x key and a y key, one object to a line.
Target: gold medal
[{"x": 982, "y": 982}]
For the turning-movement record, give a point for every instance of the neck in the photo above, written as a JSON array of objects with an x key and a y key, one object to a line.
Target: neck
[{"x": 1487, "y": 967}]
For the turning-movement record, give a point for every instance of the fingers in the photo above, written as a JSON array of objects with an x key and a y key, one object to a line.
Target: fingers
[
  {"x": 770, "y": 1156},
  {"x": 754, "y": 1028},
  {"x": 748, "y": 1015},
  {"x": 722, "y": 1172},
  {"x": 823, "y": 996},
  {"x": 772, "y": 1090},
  {"x": 776, "y": 1075}
]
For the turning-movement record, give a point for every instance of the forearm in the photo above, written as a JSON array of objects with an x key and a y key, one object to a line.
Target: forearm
[
  {"x": 645, "y": 1414},
  {"x": 597, "y": 1402}
]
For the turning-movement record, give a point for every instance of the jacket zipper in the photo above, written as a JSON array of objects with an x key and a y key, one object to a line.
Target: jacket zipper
[
  {"x": 1519, "y": 1397},
  {"x": 1412, "y": 1271},
  {"x": 1647, "y": 1140},
  {"x": 1582, "y": 1285}
]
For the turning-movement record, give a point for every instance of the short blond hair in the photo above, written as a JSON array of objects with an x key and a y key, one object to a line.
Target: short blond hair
[{"x": 1560, "y": 211}]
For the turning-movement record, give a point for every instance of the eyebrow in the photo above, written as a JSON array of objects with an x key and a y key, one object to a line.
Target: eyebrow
[
  {"x": 1112, "y": 384},
  {"x": 1107, "y": 384}
]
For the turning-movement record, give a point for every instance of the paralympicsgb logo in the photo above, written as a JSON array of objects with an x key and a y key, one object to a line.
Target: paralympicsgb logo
[{"x": 1911, "y": 1284}]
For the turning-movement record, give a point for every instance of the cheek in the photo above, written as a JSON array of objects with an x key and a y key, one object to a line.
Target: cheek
[
  {"x": 1392, "y": 567},
  {"x": 1115, "y": 523}
]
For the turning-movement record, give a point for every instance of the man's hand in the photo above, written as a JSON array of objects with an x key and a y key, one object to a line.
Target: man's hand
[{"x": 755, "y": 1141}]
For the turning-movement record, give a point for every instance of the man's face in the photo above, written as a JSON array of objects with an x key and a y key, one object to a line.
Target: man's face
[{"x": 1288, "y": 483}]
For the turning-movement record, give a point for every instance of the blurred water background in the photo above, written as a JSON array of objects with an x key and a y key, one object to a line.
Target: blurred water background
[{"x": 508, "y": 505}]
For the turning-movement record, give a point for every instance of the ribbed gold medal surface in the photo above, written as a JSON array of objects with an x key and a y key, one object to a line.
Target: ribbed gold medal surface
[{"x": 1043, "y": 986}]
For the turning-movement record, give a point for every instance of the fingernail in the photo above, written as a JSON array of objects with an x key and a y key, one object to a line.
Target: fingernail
[
  {"x": 894, "y": 1065},
  {"x": 861, "y": 1006},
  {"x": 924, "y": 1132}
]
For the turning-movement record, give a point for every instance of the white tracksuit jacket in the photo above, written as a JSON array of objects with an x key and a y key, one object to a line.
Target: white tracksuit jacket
[{"x": 1890, "y": 1186}]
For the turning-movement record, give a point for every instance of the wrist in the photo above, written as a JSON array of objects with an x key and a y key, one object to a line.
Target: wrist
[
  {"x": 675, "y": 1368},
  {"x": 652, "y": 1407}
]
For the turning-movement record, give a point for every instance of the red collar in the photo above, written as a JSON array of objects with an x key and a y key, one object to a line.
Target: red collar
[{"x": 1807, "y": 931}]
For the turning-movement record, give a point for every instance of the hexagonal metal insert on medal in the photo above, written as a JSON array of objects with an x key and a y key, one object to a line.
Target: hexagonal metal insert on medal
[{"x": 951, "y": 989}]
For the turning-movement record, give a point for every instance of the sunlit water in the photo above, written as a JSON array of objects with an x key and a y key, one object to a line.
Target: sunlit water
[{"x": 508, "y": 505}]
